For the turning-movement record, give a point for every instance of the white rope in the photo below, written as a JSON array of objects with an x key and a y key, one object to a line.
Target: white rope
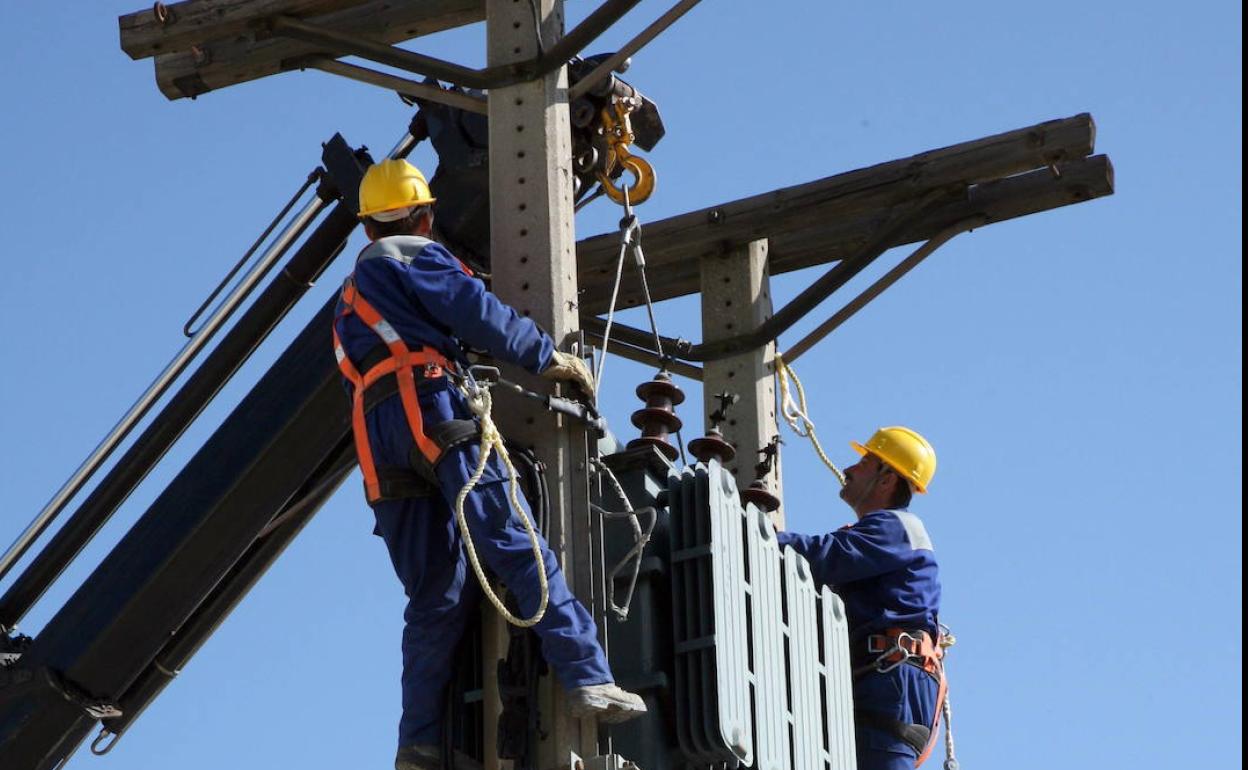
[
  {"x": 947, "y": 640},
  {"x": 951, "y": 761},
  {"x": 795, "y": 413},
  {"x": 480, "y": 402}
]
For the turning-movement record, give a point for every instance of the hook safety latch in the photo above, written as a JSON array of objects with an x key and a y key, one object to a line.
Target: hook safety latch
[{"x": 619, "y": 133}]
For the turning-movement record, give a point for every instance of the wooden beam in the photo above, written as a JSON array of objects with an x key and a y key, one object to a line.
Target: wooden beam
[
  {"x": 998, "y": 200},
  {"x": 172, "y": 27},
  {"x": 869, "y": 189},
  {"x": 240, "y": 57},
  {"x": 827, "y": 234}
]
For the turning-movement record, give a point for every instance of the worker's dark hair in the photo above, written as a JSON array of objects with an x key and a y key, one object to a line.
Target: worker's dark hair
[
  {"x": 405, "y": 226},
  {"x": 902, "y": 494}
]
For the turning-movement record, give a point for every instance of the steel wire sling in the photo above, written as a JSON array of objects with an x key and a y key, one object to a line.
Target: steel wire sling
[{"x": 630, "y": 241}]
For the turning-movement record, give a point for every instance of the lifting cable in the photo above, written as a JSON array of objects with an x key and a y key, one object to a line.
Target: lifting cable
[
  {"x": 618, "y": 129},
  {"x": 630, "y": 242},
  {"x": 795, "y": 413},
  {"x": 481, "y": 402}
]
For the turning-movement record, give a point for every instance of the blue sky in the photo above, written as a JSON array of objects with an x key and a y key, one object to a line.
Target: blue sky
[{"x": 1079, "y": 371}]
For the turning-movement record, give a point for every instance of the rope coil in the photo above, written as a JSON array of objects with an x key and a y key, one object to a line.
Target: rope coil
[
  {"x": 795, "y": 413},
  {"x": 481, "y": 403}
]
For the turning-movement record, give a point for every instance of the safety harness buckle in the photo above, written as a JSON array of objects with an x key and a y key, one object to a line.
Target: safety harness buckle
[
  {"x": 897, "y": 654},
  {"x": 897, "y": 647}
]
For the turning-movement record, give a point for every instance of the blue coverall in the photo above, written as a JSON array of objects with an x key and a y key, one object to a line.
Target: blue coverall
[
  {"x": 883, "y": 567},
  {"x": 424, "y": 293}
]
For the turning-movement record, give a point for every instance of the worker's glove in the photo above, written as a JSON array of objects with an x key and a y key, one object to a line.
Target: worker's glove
[{"x": 565, "y": 366}]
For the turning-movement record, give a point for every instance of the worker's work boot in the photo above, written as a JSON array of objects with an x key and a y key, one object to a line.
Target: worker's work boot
[
  {"x": 606, "y": 702},
  {"x": 420, "y": 757}
]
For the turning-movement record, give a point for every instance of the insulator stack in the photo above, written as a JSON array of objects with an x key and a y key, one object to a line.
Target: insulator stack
[
  {"x": 657, "y": 419},
  {"x": 757, "y": 493},
  {"x": 712, "y": 445}
]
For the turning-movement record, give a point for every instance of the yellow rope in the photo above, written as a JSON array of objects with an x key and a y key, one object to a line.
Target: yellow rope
[
  {"x": 793, "y": 413},
  {"x": 491, "y": 440}
]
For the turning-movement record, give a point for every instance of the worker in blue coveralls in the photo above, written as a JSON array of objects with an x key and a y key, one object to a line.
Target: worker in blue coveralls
[
  {"x": 398, "y": 331},
  {"x": 884, "y": 569}
]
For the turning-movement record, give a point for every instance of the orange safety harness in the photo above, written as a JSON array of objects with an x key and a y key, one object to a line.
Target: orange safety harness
[
  {"x": 896, "y": 647},
  {"x": 403, "y": 363}
]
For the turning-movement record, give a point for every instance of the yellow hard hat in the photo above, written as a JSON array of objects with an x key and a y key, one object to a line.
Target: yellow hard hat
[
  {"x": 904, "y": 451},
  {"x": 392, "y": 186}
]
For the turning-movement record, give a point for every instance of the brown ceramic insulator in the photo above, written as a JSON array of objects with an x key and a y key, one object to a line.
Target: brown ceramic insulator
[
  {"x": 661, "y": 392},
  {"x": 658, "y": 418},
  {"x": 712, "y": 445},
  {"x": 655, "y": 417},
  {"x": 756, "y": 493},
  {"x": 666, "y": 449}
]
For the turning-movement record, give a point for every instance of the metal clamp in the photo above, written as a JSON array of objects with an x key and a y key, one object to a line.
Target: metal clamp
[{"x": 477, "y": 378}]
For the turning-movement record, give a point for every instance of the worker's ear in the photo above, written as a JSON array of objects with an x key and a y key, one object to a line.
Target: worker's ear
[
  {"x": 425, "y": 226},
  {"x": 889, "y": 479},
  {"x": 369, "y": 231}
]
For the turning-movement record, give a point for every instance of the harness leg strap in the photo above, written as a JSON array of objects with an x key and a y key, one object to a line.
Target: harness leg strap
[
  {"x": 915, "y": 736},
  {"x": 453, "y": 433}
]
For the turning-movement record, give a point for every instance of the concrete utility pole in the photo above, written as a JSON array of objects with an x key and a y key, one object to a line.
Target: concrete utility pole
[
  {"x": 736, "y": 298},
  {"x": 533, "y": 247}
]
